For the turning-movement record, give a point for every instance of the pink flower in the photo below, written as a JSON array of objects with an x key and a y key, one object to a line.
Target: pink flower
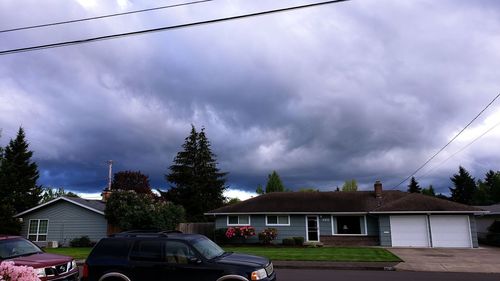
[{"x": 11, "y": 272}]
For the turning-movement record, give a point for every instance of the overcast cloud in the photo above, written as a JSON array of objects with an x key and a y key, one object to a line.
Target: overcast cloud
[{"x": 362, "y": 89}]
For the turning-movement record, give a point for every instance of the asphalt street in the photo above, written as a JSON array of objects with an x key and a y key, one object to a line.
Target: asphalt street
[{"x": 367, "y": 275}]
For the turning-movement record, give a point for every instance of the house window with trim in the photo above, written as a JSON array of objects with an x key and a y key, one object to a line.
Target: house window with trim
[
  {"x": 350, "y": 225},
  {"x": 38, "y": 230},
  {"x": 238, "y": 220},
  {"x": 278, "y": 220}
]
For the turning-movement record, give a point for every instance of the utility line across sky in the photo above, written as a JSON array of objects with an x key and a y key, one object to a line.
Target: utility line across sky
[
  {"x": 103, "y": 16},
  {"x": 161, "y": 29},
  {"x": 447, "y": 144}
]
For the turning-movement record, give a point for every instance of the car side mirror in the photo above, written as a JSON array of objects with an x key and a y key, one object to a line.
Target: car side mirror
[{"x": 194, "y": 260}]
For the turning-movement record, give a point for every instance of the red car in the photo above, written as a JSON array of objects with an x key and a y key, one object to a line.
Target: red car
[{"x": 48, "y": 266}]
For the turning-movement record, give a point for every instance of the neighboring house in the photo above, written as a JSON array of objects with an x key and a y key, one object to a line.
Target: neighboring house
[
  {"x": 63, "y": 219},
  {"x": 386, "y": 218},
  {"x": 484, "y": 221}
]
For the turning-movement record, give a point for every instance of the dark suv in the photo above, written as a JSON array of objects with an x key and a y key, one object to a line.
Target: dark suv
[
  {"x": 141, "y": 256},
  {"x": 48, "y": 266}
]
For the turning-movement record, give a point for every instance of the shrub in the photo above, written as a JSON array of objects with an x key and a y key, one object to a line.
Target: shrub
[
  {"x": 268, "y": 235},
  {"x": 288, "y": 242},
  {"x": 220, "y": 235},
  {"x": 243, "y": 232},
  {"x": 299, "y": 241},
  {"x": 11, "y": 272},
  {"x": 83, "y": 241}
]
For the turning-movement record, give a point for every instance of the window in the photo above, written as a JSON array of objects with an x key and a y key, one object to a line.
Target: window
[
  {"x": 38, "y": 230},
  {"x": 238, "y": 220},
  {"x": 147, "y": 250},
  {"x": 277, "y": 220},
  {"x": 349, "y": 225},
  {"x": 178, "y": 252}
]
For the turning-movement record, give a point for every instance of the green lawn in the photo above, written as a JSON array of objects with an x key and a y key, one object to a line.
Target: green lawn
[
  {"x": 347, "y": 254},
  {"x": 76, "y": 253}
]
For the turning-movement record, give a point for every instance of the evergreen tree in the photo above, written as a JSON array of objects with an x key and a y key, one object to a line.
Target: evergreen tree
[
  {"x": 50, "y": 193},
  {"x": 429, "y": 191},
  {"x": 482, "y": 195},
  {"x": 492, "y": 180},
  {"x": 413, "y": 187},
  {"x": 465, "y": 187},
  {"x": 197, "y": 183},
  {"x": 350, "y": 185},
  {"x": 131, "y": 180},
  {"x": 259, "y": 190},
  {"x": 19, "y": 175},
  {"x": 274, "y": 183}
]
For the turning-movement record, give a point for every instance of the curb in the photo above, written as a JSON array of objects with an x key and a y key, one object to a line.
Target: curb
[{"x": 379, "y": 266}]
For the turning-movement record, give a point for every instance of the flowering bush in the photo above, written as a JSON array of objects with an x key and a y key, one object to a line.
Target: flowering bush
[
  {"x": 268, "y": 235},
  {"x": 11, "y": 272},
  {"x": 240, "y": 232}
]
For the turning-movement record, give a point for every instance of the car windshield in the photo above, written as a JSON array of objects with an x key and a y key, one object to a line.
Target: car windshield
[
  {"x": 12, "y": 248},
  {"x": 207, "y": 248}
]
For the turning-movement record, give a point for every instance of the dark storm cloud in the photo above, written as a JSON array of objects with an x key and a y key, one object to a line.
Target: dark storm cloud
[{"x": 354, "y": 90}]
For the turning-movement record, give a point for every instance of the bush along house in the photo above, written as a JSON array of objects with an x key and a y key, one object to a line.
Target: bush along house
[{"x": 365, "y": 218}]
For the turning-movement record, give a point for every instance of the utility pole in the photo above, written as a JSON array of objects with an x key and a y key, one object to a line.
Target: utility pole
[{"x": 110, "y": 164}]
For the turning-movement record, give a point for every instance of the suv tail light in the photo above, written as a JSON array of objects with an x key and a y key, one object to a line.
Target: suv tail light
[{"x": 85, "y": 272}]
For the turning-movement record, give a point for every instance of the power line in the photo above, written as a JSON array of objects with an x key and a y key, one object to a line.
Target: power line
[
  {"x": 446, "y": 145},
  {"x": 460, "y": 150},
  {"x": 160, "y": 29},
  {"x": 102, "y": 17}
]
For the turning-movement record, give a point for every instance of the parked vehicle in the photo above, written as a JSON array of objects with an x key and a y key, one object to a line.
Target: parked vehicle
[
  {"x": 48, "y": 266},
  {"x": 145, "y": 256}
]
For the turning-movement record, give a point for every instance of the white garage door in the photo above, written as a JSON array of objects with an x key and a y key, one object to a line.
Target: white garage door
[
  {"x": 409, "y": 231},
  {"x": 450, "y": 231}
]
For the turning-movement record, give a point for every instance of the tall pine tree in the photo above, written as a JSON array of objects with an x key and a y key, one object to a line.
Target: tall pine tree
[
  {"x": 413, "y": 187},
  {"x": 492, "y": 180},
  {"x": 18, "y": 176},
  {"x": 196, "y": 182},
  {"x": 465, "y": 187},
  {"x": 274, "y": 183}
]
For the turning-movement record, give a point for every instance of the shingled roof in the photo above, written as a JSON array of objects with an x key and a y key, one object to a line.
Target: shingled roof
[{"x": 342, "y": 202}]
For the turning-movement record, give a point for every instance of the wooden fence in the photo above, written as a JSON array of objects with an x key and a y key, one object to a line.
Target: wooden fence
[{"x": 204, "y": 228}]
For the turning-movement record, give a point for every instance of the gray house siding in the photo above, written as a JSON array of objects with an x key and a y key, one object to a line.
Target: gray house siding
[
  {"x": 66, "y": 222},
  {"x": 384, "y": 225}
]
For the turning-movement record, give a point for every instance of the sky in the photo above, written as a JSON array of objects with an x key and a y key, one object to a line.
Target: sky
[{"x": 364, "y": 90}]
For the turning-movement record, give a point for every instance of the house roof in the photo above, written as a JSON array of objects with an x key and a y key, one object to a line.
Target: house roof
[
  {"x": 494, "y": 209},
  {"x": 97, "y": 206},
  {"x": 344, "y": 202}
]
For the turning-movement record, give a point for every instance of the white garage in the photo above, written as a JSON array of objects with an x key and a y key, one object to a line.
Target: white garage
[
  {"x": 433, "y": 230},
  {"x": 450, "y": 231},
  {"x": 409, "y": 231}
]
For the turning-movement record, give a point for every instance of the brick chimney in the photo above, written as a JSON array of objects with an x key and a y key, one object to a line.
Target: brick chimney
[
  {"x": 378, "y": 189},
  {"x": 105, "y": 194}
]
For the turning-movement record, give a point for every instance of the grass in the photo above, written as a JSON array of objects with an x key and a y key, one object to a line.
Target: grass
[
  {"x": 336, "y": 254},
  {"x": 339, "y": 254},
  {"x": 76, "y": 253}
]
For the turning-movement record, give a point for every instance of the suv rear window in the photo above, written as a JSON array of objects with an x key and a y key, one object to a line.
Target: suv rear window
[{"x": 112, "y": 248}]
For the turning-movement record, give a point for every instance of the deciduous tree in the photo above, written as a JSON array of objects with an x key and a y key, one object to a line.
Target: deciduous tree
[
  {"x": 131, "y": 180},
  {"x": 350, "y": 185}
]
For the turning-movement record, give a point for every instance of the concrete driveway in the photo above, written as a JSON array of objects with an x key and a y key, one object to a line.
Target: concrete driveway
[{"x": 484, "y": 259}]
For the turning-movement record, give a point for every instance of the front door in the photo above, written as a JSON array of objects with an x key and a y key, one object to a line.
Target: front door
[{"x": 312, "y": 228}]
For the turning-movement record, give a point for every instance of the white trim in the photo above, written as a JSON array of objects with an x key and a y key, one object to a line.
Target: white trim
[
  {"x": 291, "y": 213},
  {"x": 57, "y": 199},
  {"x": 470, "y": 232},
  {"x": 37, "y": 230},
  {"x": 277, "y": 219},
  {"x": 428, "y": 212},
  {"x": 239, "y": 224},
  {"x": 360, "y": 234},
  {"x": 307, "y": 228}
]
